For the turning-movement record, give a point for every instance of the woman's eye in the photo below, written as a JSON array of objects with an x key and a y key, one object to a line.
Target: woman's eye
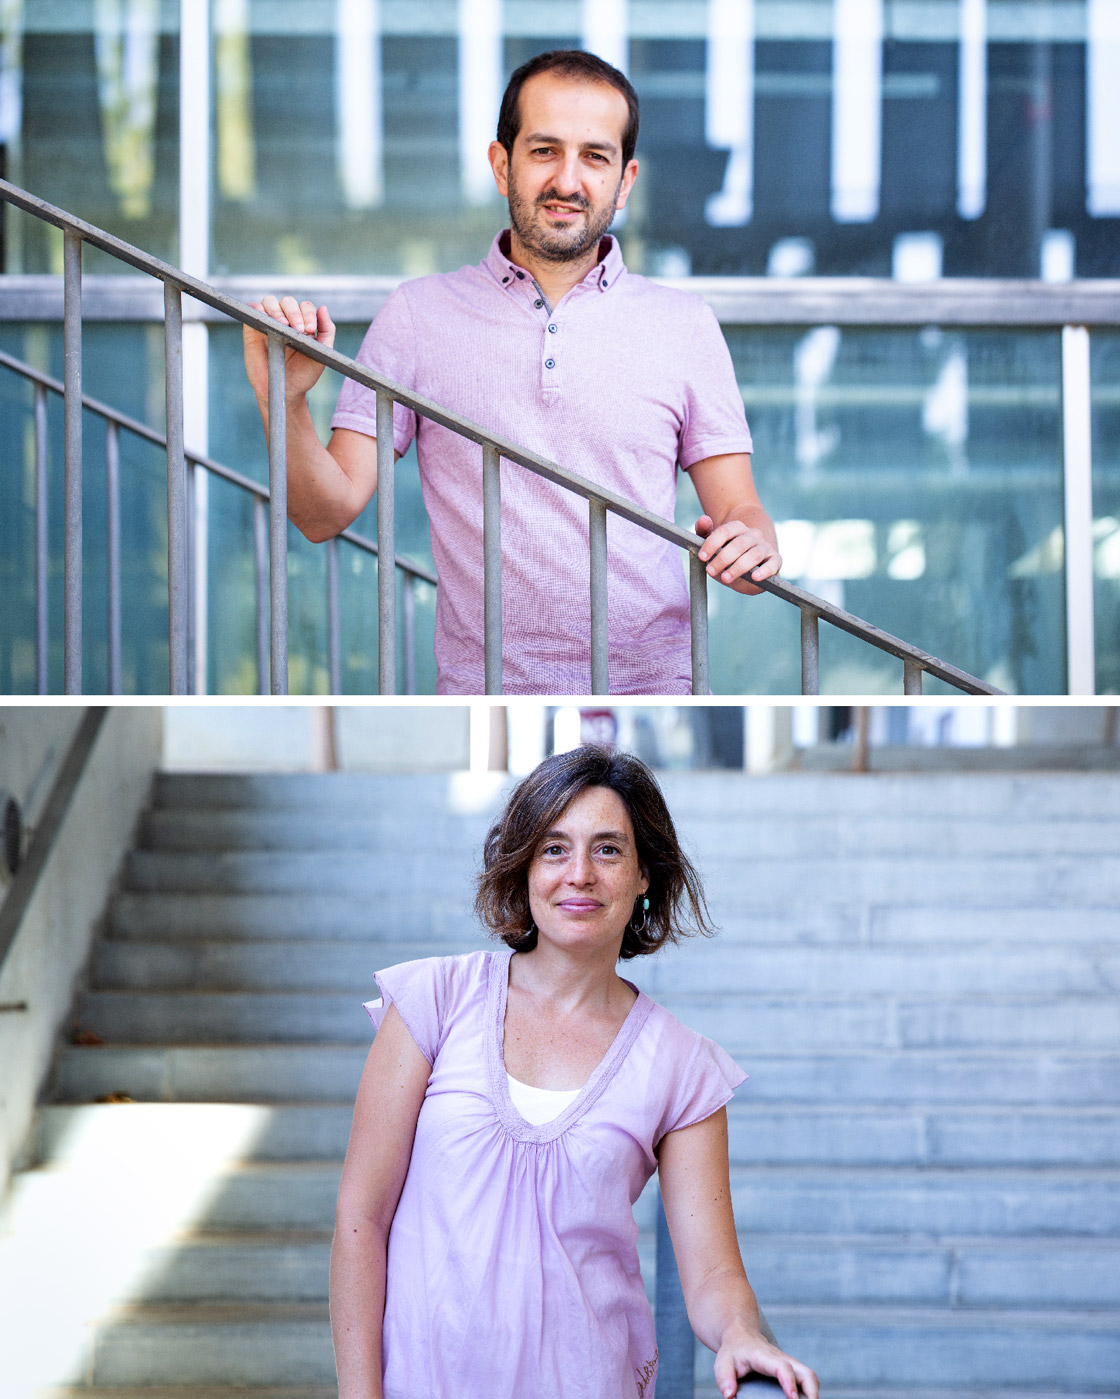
[{"x": 608, "y": 850}]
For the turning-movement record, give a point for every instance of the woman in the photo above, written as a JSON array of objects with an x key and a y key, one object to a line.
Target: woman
[{"x": 513, "y": 1106}]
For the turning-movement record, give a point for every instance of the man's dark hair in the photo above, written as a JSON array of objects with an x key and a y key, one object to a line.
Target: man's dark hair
[
  {"x": 569, "y": 63},
  {"x": 676, "y": 897}
]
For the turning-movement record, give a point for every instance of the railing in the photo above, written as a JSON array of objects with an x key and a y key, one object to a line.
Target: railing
[
  {"x": 915, "y": 662},
  {"x": 115, "y": 423},
  {"x": 676, "y": 1344}
]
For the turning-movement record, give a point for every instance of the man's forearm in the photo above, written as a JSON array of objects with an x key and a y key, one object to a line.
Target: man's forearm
[
  {"x": 322, "y": 500},
  {"x": 357, "y": 1300}
]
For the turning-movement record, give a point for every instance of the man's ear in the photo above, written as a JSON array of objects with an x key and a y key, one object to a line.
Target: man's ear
[
  {"x": 629, "y": 175},
  {"x": 499, "y": 163}
]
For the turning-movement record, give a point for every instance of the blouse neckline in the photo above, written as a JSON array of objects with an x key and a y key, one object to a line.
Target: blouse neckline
[{"x": 605, "y": 1070}]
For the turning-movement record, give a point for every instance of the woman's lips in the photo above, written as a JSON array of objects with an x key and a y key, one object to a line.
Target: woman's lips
[{"x": 580, "y": 905}]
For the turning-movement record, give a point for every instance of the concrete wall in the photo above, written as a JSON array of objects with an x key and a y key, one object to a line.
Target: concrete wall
[
  {"x": 53, "y": 942},
  {"x": 290, "y": 738}
]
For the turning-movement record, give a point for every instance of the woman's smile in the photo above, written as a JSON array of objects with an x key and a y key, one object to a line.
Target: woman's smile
[{"x": 586, "y": 872}]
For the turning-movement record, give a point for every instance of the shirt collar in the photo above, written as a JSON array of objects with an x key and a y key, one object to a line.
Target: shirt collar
[{"x": 601, "y": 277}]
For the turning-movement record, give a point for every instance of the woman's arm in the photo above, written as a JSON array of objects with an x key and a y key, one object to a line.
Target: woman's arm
[
  {"x": 696, "y": 1189},
  {"x": 392, "y": 1089}
]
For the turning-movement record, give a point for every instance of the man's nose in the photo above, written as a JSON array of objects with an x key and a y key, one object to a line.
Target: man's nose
[{"x": 568, "y": 176}]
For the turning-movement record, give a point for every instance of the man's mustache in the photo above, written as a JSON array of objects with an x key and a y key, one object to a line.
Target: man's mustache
[{"x": 553, "y": 196}]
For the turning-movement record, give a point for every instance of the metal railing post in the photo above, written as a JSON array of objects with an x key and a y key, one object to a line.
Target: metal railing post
[
  {"x": 260, "y": 572},
  {"x": 42, "y": 544},
  {"x": 408, "y": 608},
  {"x": 600, "y": 643},
  {"x": 113, "y": 541},
  {"x": 334, "y": 640},
  {"x": 191, "y": 573},
  {"x": 72, "y": 409},
  {"x": 386, "y": 550},
  {"x": 676, "y": 1346},
  {"x": 698, "y": 624},
  {"x": 177, "y": 582},
  {"x": 911, "y": 678},
  {"x": 277, "y": 518},
  {"x": 810, "y": 652},
  {"x": 492, "y": 569}
]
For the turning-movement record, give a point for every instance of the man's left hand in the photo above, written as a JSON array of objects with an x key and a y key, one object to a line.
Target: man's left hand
[{"x": 733, "y": 552}]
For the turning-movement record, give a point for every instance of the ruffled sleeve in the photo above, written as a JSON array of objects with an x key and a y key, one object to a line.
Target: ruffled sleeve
[
  {"x": 705, "y": 1081},
  {"x": 417, "y": 991}
]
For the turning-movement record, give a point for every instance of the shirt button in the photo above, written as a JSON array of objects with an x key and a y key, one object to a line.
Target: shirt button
[
  {"x": 605, "y": 282},
  {"x": 552, "y": 329},
  {"x": 550, "y": 364},
  {"x": 521, "y": 276},
  {"x": 538, "y": 303}
]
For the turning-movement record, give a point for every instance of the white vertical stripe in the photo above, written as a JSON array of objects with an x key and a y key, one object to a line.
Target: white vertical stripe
[
  {"x": 194, "y": 138},
  {"x": 360, "y": 124},
  {"x": 972, "y": 110},
  {"x": 11, "y": 69},
  {"x": 480, "y": 93},
  {"x": 1102, "y": 92},
  {"x": 857, "y": 81},
  {"x": 729, "y": 108},
  {"x": 606, "y": 31},
  {"x": 1078, "y": 476}
]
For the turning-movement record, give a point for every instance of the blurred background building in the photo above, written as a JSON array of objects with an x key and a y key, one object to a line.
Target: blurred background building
[{"x": 917, "y": 472}]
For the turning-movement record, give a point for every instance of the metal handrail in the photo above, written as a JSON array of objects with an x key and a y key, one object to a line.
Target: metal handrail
[
  {"x": 114, "y": 422},
  {"x": 495, "y": 448}
]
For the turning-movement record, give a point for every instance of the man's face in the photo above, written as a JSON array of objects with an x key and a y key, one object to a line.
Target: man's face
[{"x": 565, "y": 179}]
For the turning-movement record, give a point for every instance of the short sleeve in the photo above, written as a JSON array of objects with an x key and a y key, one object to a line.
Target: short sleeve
[
  {"x": 415, "y": 988},
  {"x": 389, "y": 348},
  {"x": 713, "y": 420},
  {"x": 706, "y": 1083}
]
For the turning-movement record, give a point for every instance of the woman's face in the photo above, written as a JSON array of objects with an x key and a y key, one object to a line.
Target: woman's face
[{"x": 585, "y": 875}]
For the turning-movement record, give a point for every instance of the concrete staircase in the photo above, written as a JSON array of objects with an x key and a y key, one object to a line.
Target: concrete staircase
[{"x": 921, "y": 975}]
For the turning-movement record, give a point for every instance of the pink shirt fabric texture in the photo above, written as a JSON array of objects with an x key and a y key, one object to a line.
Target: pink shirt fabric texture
[
  {"x": 513, "y": 1265},
  {"x": 621, "y": 382}
]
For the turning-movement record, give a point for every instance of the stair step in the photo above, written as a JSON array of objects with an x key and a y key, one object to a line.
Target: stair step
[
  {"x": 332, "y": 964},
  {"x": 804, "y": 1134},
  {"x": 261, "y": 1344},
  {"x": 414, "y": 920},
  {"x": 808, "y": 836},
  {"x": 1060, "y": 881},
  {"x": 1062, "y": 796},
  {"x": 871, "y": 1347},
  {"x": 282, "y": 1072},
  {"x": 958, "y": 1273},
  {"x": 791, "y": 921},
  {"x": 743, "y": 1025}
]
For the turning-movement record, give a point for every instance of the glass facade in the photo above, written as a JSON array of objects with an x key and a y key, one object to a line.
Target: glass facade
[{"x": 878, "y": 137}]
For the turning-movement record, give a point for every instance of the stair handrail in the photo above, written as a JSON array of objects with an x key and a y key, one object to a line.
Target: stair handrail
[
  {"x": 45, "y": 834},
  {"x": 916, "y": 662},
  {"x": 115, "y": 421}
]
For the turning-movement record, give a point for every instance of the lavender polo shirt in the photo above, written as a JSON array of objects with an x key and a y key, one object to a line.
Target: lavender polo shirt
[{"x": 621, "y": 382}]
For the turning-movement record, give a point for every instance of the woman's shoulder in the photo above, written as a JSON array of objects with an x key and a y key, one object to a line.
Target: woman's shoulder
[
  {"x": 687, "y": 1057},
  {"x": 430, "y": 992}
]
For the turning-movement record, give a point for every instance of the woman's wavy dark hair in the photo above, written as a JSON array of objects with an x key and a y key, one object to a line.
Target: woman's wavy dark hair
[{"x": 676, "y": 897}]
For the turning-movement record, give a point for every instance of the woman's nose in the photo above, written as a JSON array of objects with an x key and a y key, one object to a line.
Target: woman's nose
[{"x": 582, "y": 868}]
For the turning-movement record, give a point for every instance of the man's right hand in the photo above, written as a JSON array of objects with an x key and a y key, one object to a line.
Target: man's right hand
[{"x": 300, "y": 373}]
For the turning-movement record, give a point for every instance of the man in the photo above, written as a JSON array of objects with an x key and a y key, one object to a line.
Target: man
[{"x": 551, "y": 343}]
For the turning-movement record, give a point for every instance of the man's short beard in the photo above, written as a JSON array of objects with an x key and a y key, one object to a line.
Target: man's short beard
[{"x": 563, "y": 245}]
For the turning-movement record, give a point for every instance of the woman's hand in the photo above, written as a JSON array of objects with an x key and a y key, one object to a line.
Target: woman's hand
[{"x": 744, "y": 1352}]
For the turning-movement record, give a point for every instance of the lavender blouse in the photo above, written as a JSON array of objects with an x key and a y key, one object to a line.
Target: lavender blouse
[{"x": 513, "y": 1265}]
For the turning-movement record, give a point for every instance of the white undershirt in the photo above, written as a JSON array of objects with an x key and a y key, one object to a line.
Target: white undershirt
[{"x": 539, "y": 1105}]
